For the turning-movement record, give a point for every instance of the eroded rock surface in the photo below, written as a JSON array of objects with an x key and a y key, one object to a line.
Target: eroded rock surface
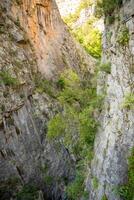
[{"x": 115, "y": 137}]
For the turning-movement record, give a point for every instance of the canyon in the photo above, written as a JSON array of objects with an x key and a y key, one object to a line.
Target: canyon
[{"x": 46, "y": 81}]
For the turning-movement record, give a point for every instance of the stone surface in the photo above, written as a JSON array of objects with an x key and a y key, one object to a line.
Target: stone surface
[
  {"x": 115, "y": 137},
  {"x": 33, "y": 38}
]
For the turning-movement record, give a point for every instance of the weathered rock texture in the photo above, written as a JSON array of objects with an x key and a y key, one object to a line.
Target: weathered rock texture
[
  {"x": 32, "y": 38},
  {"x": 115, "y": 137},
  {"x": 53, "y": 44}
]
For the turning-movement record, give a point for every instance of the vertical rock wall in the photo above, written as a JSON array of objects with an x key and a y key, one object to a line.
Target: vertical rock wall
[{"x": 115, "y": 137}]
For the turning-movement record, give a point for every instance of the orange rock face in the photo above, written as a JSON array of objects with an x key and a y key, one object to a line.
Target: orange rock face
[
  {"x": 54, "y": 47},
  {"x": 42, "y": 22}
]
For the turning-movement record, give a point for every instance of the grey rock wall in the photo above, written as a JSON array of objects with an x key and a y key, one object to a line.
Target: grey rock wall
[{"x": 115, "y": 137}]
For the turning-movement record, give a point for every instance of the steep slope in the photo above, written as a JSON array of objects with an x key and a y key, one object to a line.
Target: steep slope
[
  {"x": 33, "y": 39},
  {"x": 115, "y": 138}
]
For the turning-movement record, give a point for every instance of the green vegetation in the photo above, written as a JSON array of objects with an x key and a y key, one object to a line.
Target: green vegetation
[
  {"x": 129, "y": 101},
  {"x": 95, "y": 183},
  {"x": 9, "y": 186},
  {"x": 75, "y": 126},
  {"x": 76, "y": 189},
  {"x": 87, "y": 34},
  {"x": 90, "y": 40},
  {"x": 104, "y": 197},
  {"x": 7, "y": 79},
  {"x": 126, "y": 191},
  {"x": 105, "y": 67},
  {"x": 43, "y": 85},
  {"x": 107, "y": 7},
  {"x": 56, "y": 127},
  {"x": 123, "y": 36},
  {"x": 69, "y": 20},
  {"x": 28, "y": 192},
  {"x": 48, "y": 180}
]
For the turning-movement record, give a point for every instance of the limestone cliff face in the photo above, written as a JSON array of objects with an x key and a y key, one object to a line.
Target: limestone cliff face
[
  {"x": 33, "y": 39},
  {"x": 53, "y": 44},
  {"x": 115, "y": 137}
]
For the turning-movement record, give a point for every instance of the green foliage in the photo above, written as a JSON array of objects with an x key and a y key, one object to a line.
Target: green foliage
[
  {"x": 104, "y": 197},
  {"x": 60, "y": 83},
  {"x": 90, "y": 40},
  {"x": 129, "y": 101},
  {"x": 126, "y": 191},
  {"x": 48, "y": 180},
  {"x": 76, "y": 124},
  {"x": 28, "y": 192},
  {"x": 44, "y": 86},
  {"x": 123, "y": 36},
  {"x": 105, "y": 67},
  {"x": 69, "y": 20},
  {"x": 9, "y": 186},
  {"x": 107, "y": 7},
  {"x": 76, "y": 189},
  {"x": 87, "y": 35},
  {"x": 95, "y": 183},
  {"x": 56, "y": 127},
  {"x": 7, "y": 79}
]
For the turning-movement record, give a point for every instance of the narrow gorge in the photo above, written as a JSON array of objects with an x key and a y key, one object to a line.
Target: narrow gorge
[{"x": 66, "y": 100}]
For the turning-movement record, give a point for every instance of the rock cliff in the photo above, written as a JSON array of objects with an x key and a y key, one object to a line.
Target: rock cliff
[
  {"x": 34, "y": 43},
  {"x": 115, "y": 137}
]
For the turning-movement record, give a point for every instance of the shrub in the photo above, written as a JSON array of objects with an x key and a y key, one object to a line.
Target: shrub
[
  {"x": 129, "y": 101},
  {"x": 48, "y": 180},
  {"x": 7, "y": 79},
  {"x": 43, "y": 85},
  {"x": 76, "y": 189},
  {"x": 28, "y": 192},
  {"x": 107, "y": 7},
  {"x": 123, "y": 36},
  {"x": 95, "y": 183},
  {"x": 104, "y": 197},
  {"x": 56, "y": 127},
  {"x": 127, "y": 191},
  {"x": 105, "y": 67},
  {"x": 90, "y": 40}
]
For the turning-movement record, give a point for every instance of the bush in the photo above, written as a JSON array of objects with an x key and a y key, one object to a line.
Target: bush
[
  {"x": 107, "y": 7},
  {"x": 7, "y": 79},
  {"x": 56, "y": 127},
  {"x": 76, "y": 189},
  {"x": 76, "y": 124},
  {"x": 105, "y": 67},
  {"x": 129, "y": 101},
  {"x": 104, "y": 197},
  {"x": 28, "y": 192},
  {"x": 123, "y": 36},
  {"x": 95, "y": 183},
  {"x": 127, "y": 191},
  {"x": 44, "y": 86}
]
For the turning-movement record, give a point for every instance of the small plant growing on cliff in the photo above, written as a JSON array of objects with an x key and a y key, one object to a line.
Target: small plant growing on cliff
[
  {"x": 95, "y": 183},
  {"x": 28, "y": 192},
  {"x": 127, "y": 191},
  {"x": 76, "y": 189},
  {"x": 123, "y": 36},
  {"x": 7, "y": 79},
  {"x": 129, "y": 101},
  {"x": 56, "y": 127},
  {"x": 104, "y": 197},
  {"x": 105, "y": 67}
]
